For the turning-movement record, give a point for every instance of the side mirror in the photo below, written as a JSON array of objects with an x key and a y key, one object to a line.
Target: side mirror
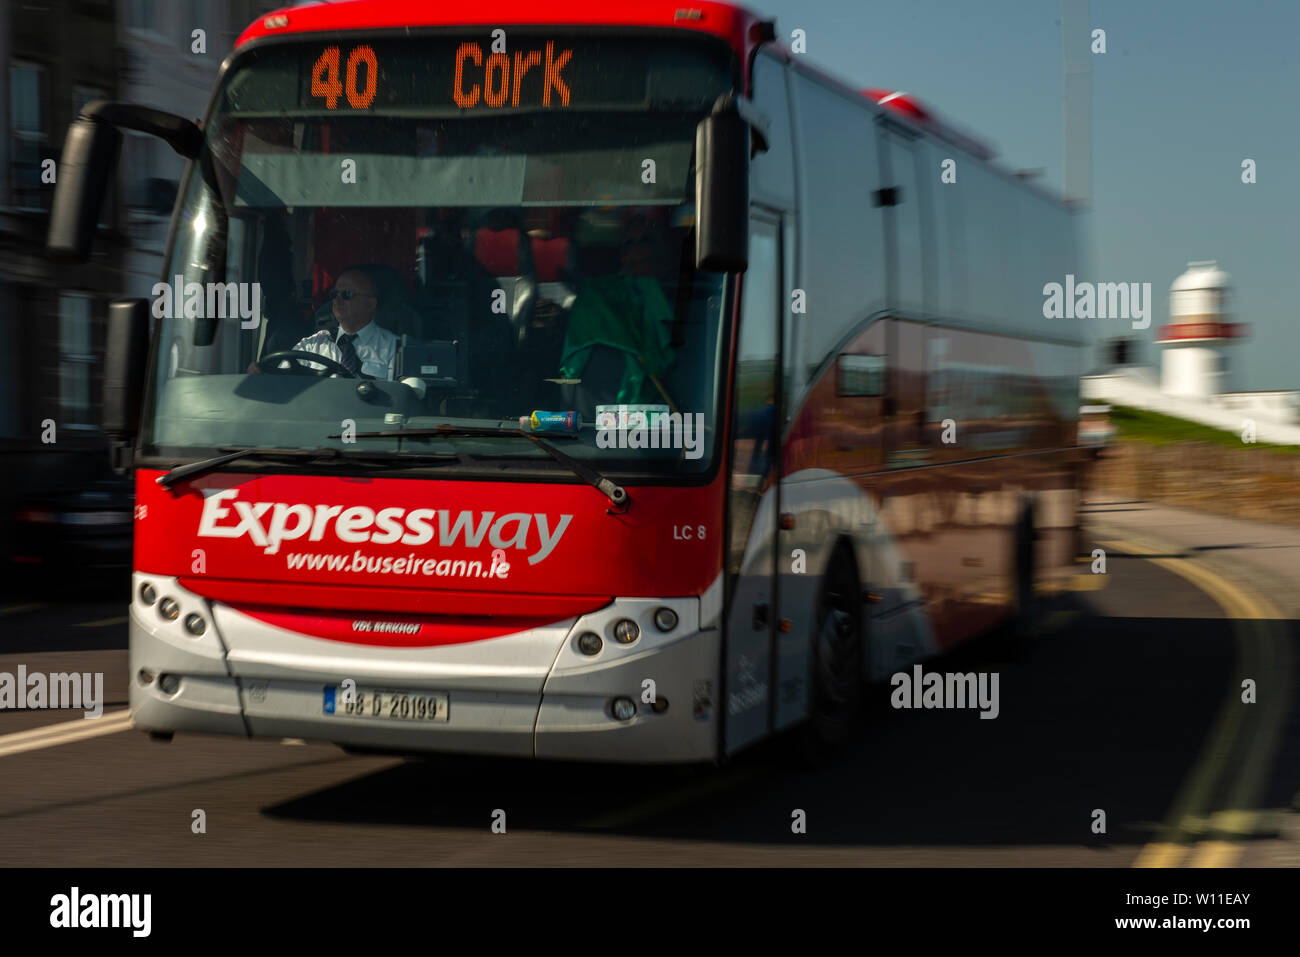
[
  {"x": 126, "y": 358},
  {"x": 722, "y": 191},
  {"x": 85, "y": 170}
]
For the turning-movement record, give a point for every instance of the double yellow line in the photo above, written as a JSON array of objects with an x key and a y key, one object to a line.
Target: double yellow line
[
  {"x": 64, "y": 732},
  {"x": 1191, "y": 837}
]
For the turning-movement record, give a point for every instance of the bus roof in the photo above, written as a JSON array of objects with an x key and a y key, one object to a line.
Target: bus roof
[{"x": 730, "y": 22}]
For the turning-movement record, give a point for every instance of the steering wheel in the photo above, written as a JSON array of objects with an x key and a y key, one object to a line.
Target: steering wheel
[{"x": 298, "y": 360}]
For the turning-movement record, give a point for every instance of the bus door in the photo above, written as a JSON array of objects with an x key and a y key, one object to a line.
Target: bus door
[{"x": 753, "y": 491}]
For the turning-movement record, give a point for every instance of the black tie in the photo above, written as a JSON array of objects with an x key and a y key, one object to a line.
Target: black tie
[{"x": 348, "y": 353}]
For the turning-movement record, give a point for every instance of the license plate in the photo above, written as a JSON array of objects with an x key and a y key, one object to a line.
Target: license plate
[{"x": 387, "y": 705}]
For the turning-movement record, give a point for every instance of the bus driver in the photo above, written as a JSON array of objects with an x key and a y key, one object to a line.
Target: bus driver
[{"x": 360, "y": 345}]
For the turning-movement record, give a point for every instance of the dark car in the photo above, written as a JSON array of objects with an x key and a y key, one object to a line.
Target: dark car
[{"x": 87, "y": 527}]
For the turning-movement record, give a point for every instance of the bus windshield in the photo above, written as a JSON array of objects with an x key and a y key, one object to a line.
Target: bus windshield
[{"x": 395, "y": 235}]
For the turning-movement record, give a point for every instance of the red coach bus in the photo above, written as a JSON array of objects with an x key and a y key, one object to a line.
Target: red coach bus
[{"x": 573, "y": 382}]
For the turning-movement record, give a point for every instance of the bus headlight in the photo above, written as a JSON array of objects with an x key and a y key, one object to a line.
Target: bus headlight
[
  {"x": 148, "y": 594},
  {"x": 624, "y": 709},
  {"x": 589, "y": 643},
  {"x": 169, "y": 609},
  {"x": 195, "y": 625},
  {"x": 665, "y": 619},
  {"x": 626, "y": 631}
]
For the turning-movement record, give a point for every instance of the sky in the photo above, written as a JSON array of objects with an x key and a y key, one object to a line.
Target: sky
[{"x": 1186, "y": 90}]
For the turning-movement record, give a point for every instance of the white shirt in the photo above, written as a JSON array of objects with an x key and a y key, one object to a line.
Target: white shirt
[{"x": 376, "y": 348}]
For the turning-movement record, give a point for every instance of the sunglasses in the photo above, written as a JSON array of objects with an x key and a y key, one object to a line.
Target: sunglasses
[{"x": 347, "y": 295}]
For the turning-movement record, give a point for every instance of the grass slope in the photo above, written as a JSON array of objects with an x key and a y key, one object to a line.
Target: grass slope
[{"x": 1154, "y": 428}]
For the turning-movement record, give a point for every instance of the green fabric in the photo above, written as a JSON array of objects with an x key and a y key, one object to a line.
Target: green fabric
[{"x": 628, "y": 313}]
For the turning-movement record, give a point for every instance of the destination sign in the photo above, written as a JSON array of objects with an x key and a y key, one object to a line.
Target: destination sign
[{"x": 458, "y": 74}]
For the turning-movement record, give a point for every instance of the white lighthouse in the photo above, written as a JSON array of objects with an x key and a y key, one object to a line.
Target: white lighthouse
[
  {"x": 1198, "y": 380},
  {"x": 1195, "y": 345}
]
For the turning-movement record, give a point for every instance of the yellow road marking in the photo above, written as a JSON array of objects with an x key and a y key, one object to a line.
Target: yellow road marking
[
  {"x": 54, "y": 730},
  {"x": 1089, "y": 582},
  {"x": 1258, "y": 657},
  {"x": 63, "y": 733},
  {"x": 1240, "y": 823},
  {"x": 1215, "y": 854},
  {"x": 1161, "y": 854},
  {"x": 103, "y": 622},
  {"x": 1246, "y": 612}
]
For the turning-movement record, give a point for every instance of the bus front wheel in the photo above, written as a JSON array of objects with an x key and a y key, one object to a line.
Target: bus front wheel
[{"x": 836, "y": 659}]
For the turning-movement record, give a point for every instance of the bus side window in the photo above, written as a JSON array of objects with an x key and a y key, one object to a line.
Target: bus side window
[{"x": 772, "y": 178}]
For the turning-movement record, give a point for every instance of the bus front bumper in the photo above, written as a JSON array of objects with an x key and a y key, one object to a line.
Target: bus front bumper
[{"x": 530, "y": 694}]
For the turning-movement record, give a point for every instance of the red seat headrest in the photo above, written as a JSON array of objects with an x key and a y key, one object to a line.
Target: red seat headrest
[
  {"x": 497, "y": 250},
  {"x": 549, "y": 257}
]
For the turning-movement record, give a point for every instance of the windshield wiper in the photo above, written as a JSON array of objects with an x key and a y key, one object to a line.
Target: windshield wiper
[
  {"x": 181, "y": 473},
  {"x": 610, "y": 489}
]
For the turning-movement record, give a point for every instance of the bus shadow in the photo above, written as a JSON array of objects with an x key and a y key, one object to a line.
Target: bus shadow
[{"x": 1106, "y": 713}]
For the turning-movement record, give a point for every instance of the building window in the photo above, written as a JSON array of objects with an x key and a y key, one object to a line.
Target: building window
[
  {"x": 142, "y": 14},
  {"x": 75, "y": 359},
  {"x": 150, "y": 191},
  {"x": 27, "y": 135}
]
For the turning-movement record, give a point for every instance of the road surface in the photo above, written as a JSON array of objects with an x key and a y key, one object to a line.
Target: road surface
[{"x": 1130, "y": 703}]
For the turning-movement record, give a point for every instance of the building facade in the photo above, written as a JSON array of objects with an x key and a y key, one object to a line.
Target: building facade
[
  {"x": 58, "y": 55},
  {"x": 51, "y": 317},
  {"x": 172, "y": 51}
]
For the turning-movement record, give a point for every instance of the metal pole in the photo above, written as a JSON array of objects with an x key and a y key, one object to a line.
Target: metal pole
[{"x": 1076, "y": 59}]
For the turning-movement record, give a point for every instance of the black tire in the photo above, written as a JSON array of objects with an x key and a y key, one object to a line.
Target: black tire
[{"x": 836, "y": 660}]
